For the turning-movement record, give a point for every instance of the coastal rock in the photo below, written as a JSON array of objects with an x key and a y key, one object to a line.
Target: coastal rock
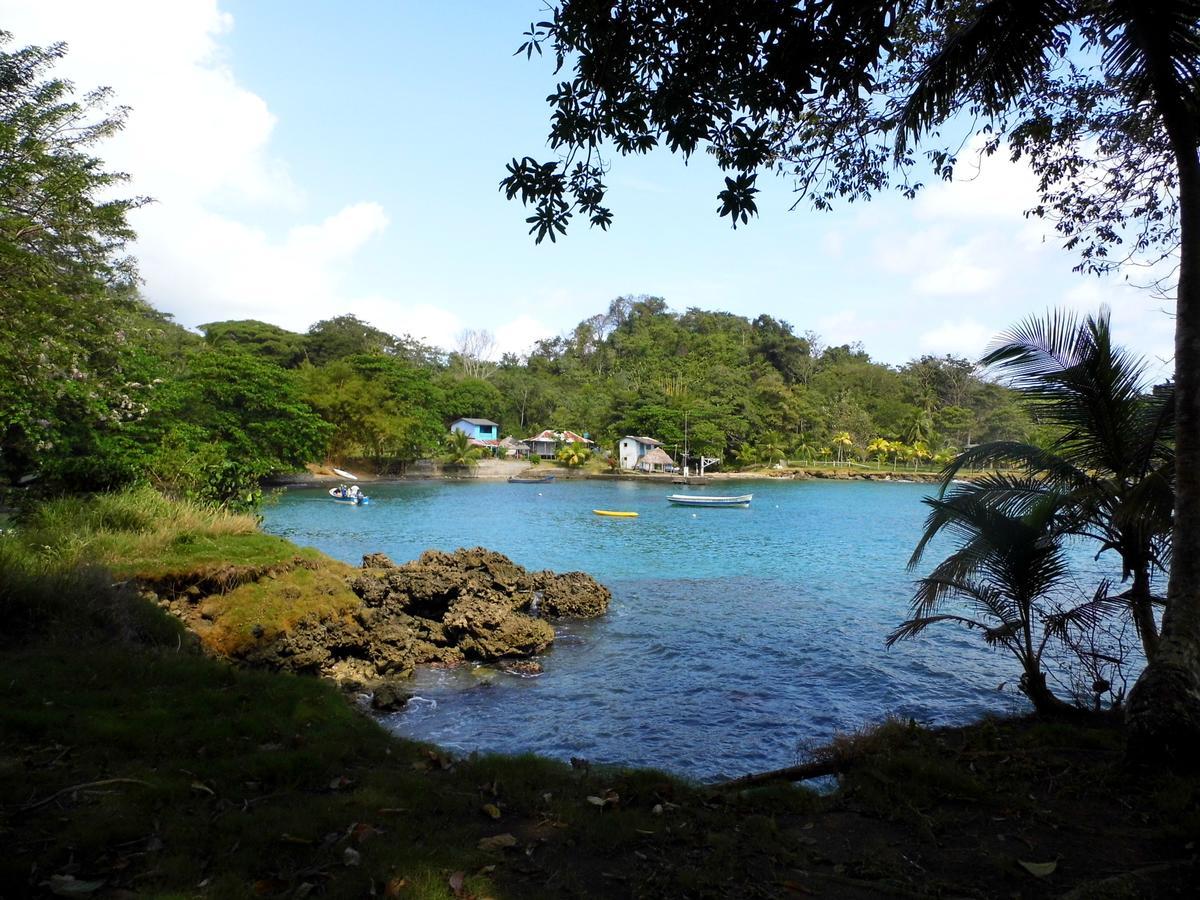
[
  {"x": 388, "y": 698},
  {"x": 572, "y": 594},
  {"x": 377, "y": 561},
  {"x": 441, "y": 609}
]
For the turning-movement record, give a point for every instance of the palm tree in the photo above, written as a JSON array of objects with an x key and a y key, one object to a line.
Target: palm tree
[
  {"x": 1114, "y": 458},
  {"x": 1005, "y": 573},
  {"x": 880, "y": 448},
  {"x": 746, "y": 455},
  {"x": 842, "y": 440},
  {"x": 1152, "y": 55},
  {"x": 459, "y": 451},
  {"x": 771, "y": 449},
  {"x": 920, "y": 429},
  {"x": 805, "y": 449},
  {"x": 573, "y": 454}
]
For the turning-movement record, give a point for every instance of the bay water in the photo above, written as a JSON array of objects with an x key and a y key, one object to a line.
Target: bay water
[{"x": 735, "y": 638}]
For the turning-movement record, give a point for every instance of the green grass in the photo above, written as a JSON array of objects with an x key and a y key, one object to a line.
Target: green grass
[
  {"x": 259, "y": 610},
  {"x": 141, "y": 534},
  {"x": 241, "y": 783},
  {"x": 64, "y": 565}
]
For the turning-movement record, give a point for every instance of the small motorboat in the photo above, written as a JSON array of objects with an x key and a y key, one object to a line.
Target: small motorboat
[
  {"x": 345, "y": 495},
  {"x": 616, "y": 513},
  {"x": 710, "y": 500},
  {"x": 530, "y": 479}
]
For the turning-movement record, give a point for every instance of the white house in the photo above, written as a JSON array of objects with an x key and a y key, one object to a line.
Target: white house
[{"x": 631, "y": 449}]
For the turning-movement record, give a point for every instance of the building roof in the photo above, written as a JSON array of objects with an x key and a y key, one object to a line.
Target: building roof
[
  {"x": 656, "y": 457},
  {"x": 567, "y": 437},
  {"x": 478, "y": 421},
  {"x": 649, "y": 442},
  {"x": 513, "y": 444},
  {"x": 475, "y": 442}
]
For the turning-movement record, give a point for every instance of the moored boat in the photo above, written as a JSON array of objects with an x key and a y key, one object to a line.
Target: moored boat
[
  {"x": 710, "y": 500},
  {"x": 346, "y": 495},
  {"x": 529, "y": 479},
  {"x": 616, "y": 513}
]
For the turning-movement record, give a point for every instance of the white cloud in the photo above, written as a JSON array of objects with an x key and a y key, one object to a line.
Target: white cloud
[
  {"x": 199, "y": 143},
  {"x": 207, "y": 267},
  {"x": 519, "y": 335},
  {"x": 965, "y": 337},
  {"x": 423, "y": 321},
  {"x": 956, "y": 274}
]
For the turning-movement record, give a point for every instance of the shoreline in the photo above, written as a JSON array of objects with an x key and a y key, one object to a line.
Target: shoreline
[{"x": 502, "y": 470}]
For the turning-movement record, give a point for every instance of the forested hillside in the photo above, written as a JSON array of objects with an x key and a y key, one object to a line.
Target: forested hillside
[{"x": 747, "y": 391}]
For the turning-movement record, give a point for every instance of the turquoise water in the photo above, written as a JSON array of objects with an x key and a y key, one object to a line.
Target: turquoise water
[{"x": 735, "y": 636}]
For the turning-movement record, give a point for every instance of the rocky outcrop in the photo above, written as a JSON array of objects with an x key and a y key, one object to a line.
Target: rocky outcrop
[{"x": 442, "y": 609}]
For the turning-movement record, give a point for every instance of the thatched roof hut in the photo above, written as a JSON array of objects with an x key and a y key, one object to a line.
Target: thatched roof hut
[{"x": 655, "y": 460}]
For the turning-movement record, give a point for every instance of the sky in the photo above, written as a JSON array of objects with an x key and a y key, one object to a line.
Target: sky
[{"x": 309, "y": 159}]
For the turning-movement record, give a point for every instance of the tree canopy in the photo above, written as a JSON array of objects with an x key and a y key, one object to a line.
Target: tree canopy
[{"x": 67, "y": 292}]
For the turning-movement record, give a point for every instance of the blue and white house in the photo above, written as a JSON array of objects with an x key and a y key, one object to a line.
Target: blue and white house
[{"x": 483, "y": 430}]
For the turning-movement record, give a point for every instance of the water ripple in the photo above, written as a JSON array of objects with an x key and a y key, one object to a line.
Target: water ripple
[{"x": 735, "y": 637}]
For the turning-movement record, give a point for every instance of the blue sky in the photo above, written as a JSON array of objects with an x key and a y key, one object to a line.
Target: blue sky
[{"x": 314, "y": 158}]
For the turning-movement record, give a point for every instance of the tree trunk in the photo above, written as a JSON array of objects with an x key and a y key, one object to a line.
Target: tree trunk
[
  {"x": 1142, "y": 607},
  {"x": 1164, "y": 706},
  {"x": 1045, "y": 703}
]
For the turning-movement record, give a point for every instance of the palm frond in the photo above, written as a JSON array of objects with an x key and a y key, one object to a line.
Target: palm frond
[
  {"x": 1037, "y": 346},
  {"x": 1154, "y": 48},
  {"x": 1087, "y": 614},
  {"x": 999, "y": 52},
  {"x": 912, "y": 627},
  {"x": 1015, "y": 455}
]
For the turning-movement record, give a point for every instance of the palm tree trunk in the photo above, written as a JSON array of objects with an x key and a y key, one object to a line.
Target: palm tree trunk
[
  {"x": 1045, "y": 702},
  {"x": 1142, "y": 607},
  {"x": 1164, "y": 706}
]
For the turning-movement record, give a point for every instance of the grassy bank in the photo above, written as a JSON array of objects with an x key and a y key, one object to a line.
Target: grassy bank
[{"x": 133, "y": 765}]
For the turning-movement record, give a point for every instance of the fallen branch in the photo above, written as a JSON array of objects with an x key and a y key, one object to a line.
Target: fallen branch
[
  {"x": 79, "y": 787},
  {"x": 818, "y": 769}
]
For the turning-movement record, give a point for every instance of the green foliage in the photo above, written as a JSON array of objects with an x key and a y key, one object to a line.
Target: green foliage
[
  {"x": 66, "y": 293},
  {"x": 573, "y": 454},
  {"x": 469, "y": 397},
  {"x": 286, "y": 349},
  {"x": 226, "y": 422},
  {"x": 459, "y": 450},
  {"x": 343, "y": 336},
  {"x": 378, "y": 406}
]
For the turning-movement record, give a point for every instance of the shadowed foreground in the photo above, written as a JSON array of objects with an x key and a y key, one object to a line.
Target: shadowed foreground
[{"x": 163, "y": 773}]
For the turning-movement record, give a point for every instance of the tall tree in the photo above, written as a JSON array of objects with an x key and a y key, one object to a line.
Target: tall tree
[
  {"x": 344, "y": 336},
  {"x": 65, "y": 289},
  {"x": 836, "y": 92}
]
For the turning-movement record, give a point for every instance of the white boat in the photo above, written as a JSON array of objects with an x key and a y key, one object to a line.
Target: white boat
[
  {"x": 344, "y": 496},
  {"x": 342, "y": 473},
  {"x": 709, "y": 500}
]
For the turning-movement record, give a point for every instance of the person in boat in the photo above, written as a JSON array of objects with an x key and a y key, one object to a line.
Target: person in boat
[
  {"x": 341, "y": 490},
  {"x": 354, "y": 492}
]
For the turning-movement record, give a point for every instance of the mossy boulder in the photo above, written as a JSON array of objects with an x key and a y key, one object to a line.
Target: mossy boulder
[{"x": 441, "y": 609}]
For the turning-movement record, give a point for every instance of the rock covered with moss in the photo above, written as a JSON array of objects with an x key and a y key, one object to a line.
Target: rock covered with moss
[{"x": 441, "y": 609}]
